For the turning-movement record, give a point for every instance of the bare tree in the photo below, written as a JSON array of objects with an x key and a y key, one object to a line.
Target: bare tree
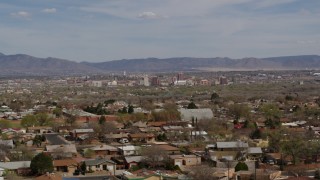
[
  {"x": 153, "y": 155},
  {"x": 202, "y": 172}
]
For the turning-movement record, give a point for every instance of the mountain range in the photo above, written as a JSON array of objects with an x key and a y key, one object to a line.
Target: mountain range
[{"x": 21, "y": 64}]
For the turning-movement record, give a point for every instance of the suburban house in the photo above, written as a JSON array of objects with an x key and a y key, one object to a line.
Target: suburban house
[
  {"x": 227, "y": 150},
  {"x": 231, "y": 146},
  {"x": 19, "y": 167},
  {"x": 128, "y": 150},
  {"x": 39, "y": 129},
  {"x": 78, "y": 133},
  {"x": 115, "y": 137},
  {"x": 67, "y": 166},
  {"x": 142, "y": 137},
  {"x": 101, "y": 164},
  {"x": 63, "y": 150},
  {"x": 170, "y": 150},
  {"x": 254, "y": 153},
  {"x": 103, "y": 150},
  {"x": 131, "y": 161},
  {"x": 185, "y": 160}
]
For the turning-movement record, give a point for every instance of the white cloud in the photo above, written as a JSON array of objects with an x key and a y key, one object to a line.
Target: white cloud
[
  {"x": 270, "y": 3},
  {"x": 49, "y": 10},
  {"x": 21, "y": 14},
  {"x": 150, "y": 15}
]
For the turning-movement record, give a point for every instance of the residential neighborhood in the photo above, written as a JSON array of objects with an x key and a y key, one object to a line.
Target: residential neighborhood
[{"x": 222, "y": 131}]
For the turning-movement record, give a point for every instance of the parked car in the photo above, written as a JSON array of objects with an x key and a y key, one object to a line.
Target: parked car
[{"x": 123, "y": 140}]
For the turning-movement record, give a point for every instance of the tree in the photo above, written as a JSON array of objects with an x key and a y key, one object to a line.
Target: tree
[
  {"x": 214, "y": 96},
  {"x": 57, "y": 111},
  {"x": 192, "y": 105},
  {"x": 38, "y": 139},
  {"x": 153, "y": 155},
  {"x": 317, "y": 174},
  {"x": 41, "y": 164},
  {"x": 70, "y": 120},
  {"x": 29, "y": 121},
  {"x": 83, "y": 167},
  {"x": 293, "y": 145},
  {"x": 239, "y": 110},
  {"x": 40, "y": 119},
  {"x": 123, "y": 110},
  {"x": 271, "y": 111},
  {"x": 102, "y": 119},
  {"x": 89, "y": 153},
  {"x": 241, "y": 166},
  {"x": 130, "y": 109},
  {"x": 256, "y": 134},
  {"x": 202, "y": 172}
]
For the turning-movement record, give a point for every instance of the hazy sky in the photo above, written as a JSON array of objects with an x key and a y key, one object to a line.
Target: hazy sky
[{"x": 103, "y": 30}]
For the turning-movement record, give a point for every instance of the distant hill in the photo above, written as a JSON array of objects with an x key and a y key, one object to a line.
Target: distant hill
[
  {"x": 217, "y": 64},
  {"x": 21, "y": 64}
]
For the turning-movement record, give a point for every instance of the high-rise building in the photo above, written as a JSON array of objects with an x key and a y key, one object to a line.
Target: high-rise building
[
  {"x": 223, "y": 80},
  {"x": 155, "y": 81},
  {"x": 180, "y": 76}
]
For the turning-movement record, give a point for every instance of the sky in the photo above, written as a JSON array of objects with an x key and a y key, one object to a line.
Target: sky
[{"x": 104, "y": 30}]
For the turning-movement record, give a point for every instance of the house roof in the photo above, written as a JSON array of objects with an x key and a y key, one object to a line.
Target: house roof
[
  {"x": 115, "y": 136},
  {"x": 130, "y": 159},
  {"x": 7, "y": 143},
  {"x": 172, "y": 128},
  {"x": 188, "y": 114},
  {"x": 232, "y": 144},
  {"x": 66, "y": 148},
  {"x": 141, "y": 135},
  {"x": 39, "y": 128},
  {"x": 104, "y": 147},
  {"x": 254, "y": 150},
  {"x": 168, "y": 147},
  {"x": 94, "y": 162},
  {"x": 127, "y": 148},
  {"x": 15, "y": 165},
  {"x": 65, "y": 162},
  {"x": 202, "y": 133},
  {"x": 157, "y": 123},
  {"x": 139, "y": 124},
  {"x": 182, "y": 156},
  {"x": 83, "y": 130}
]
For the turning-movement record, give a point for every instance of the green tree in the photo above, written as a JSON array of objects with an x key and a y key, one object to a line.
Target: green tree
[
  {"x": 29, "y": 121},
  {"x": 241, "y": 166},
  {"x": 83, "y": 167},
  {"x": 102, "y": 120},
  {"x": 214, "y": 96},
  {"x": 256, "y": 134},
  {"x": 41, "y": 164},
  {"x": 192, "y": 105},
  {"x": 38, "y": 139},
  {"x": 271, "y": 111},
  {"x": 57, "y": 111},
  {"x": 293, "y": 145},
  {"x": 89, "y": 153},
  {"x": 130, "y": 109}
]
